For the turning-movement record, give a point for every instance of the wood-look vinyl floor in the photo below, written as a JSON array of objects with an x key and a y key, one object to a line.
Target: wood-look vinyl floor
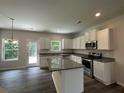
[{"x": 35, "y": 80}]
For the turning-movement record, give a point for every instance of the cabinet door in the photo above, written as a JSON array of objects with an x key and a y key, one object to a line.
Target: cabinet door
[
  {"x": 43, "y": 62},
  {"x": 78, "y": 43},
  {"x": 103, "y": 38},
  {"x": 99, "y": 70},
  {"x": 70, "y": 44},
  {"x": 104, "y": 72},
  {"x": 92, "y": 35},
  {"x": 82, "y": 42},
  {"x": 64, "y": 44},
  {"x": 74, "y": 43},
  {"x": 87, "y": 36}
]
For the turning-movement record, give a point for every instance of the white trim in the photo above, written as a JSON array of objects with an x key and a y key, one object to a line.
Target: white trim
[
  {"x": 120, "y": 83},
  {"x": 27, "y": 49},
  {"x": 13, "y": 68},
  {"x": 16, "y": 59},
  {"x": 3, "y": 52}
]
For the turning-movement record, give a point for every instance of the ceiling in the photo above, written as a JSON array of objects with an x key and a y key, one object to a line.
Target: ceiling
[{"x": 57, "y": 16}]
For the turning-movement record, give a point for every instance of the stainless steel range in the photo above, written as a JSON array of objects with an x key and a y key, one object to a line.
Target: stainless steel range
[
  {"x": 88, "y": 66},
  {"x": 88, "y": 63}
]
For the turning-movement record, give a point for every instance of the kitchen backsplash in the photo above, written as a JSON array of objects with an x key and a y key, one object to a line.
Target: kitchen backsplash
[{"x": 105, "y": 53}]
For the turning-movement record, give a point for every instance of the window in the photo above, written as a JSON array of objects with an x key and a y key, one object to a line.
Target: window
[
  {"x": 55, "y": 45},
  {"x": 10, "y": 50}
]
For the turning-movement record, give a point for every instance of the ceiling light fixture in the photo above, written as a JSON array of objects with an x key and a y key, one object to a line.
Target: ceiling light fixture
[
  {"x": 98, "y": 14},
  {"x": 12, "y": 22}
]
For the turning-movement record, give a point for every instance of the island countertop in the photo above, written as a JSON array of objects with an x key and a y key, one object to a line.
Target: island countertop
[{"x": 61, "y": 63}]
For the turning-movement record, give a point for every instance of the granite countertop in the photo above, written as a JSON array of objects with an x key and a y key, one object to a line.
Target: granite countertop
[
  {"x": 54, "y": 54},
  {"x": 59, "y": 63},
  {"x": 103, "y": 59}
]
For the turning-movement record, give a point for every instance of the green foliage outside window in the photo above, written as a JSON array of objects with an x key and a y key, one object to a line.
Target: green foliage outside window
[
  {"x": 10, "y": 49},
  {"x": 55, "y": 45},
  {"x": 11, "y": 54},
  {"x": 32, "y": 49}
]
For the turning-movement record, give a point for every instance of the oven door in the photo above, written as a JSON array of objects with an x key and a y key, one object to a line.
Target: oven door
[
  {"x": 86, "y": 63},
  {"x": 88, "y": 67}
]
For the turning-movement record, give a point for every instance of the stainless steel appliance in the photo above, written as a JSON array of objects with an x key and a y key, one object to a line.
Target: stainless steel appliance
[
  {"x": 87, "y": 62},
  {"x": 94, "y": 44},
  {"x": 91, "y": 45},
  {"x": 88, "y": 45},
  {"x": 88, "y": 66}
]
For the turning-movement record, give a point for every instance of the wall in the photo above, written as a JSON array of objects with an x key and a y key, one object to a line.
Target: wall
[
  {"x": 24, "y": 37},
  {"x": 117, "y": 24}
]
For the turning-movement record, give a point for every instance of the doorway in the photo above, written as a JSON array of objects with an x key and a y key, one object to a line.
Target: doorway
[{"x": 32, "y": 53}]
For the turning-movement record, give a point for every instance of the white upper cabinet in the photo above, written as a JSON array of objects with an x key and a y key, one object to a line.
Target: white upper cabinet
[
  {"x": 90, "y": 36},
  {"x": 104, "y": 38},
  {"x": 73, "y": 43},
  {"x": 66, "y": 43},
  {"x": 93, "y": 35},
  {"x": 83, "y": 41},
  {"x": 76, "y": 43},
  {"x": 87, "y": 36},
  {"x": 44, "y": 43}
]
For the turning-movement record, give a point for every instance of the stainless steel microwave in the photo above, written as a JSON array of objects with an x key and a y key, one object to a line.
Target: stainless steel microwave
[{"x": 91, "y": 45}]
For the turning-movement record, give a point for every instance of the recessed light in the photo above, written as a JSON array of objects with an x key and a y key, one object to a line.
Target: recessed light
[{"x": 98, "y": 14}]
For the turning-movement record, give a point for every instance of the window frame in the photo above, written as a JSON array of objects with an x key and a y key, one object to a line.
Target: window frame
[
  {"x": 3, "y": 51},
  {"x": 60, "y": 45}
]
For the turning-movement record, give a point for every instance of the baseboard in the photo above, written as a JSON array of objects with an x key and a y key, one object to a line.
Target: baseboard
[
  {"x": 13, "y": 68},
  {"x": 120, "y": 83},
  {"x": 105, "y": 83}
]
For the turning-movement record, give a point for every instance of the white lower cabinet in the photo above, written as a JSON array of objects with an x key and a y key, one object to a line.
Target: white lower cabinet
[
  {"x": 76, "y": 59},
  {"x": 44, "y": 61},
  {"x": 104, "y": 72}
]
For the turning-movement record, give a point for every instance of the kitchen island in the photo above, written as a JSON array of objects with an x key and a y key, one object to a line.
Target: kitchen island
[{"x": 68, "y": 76}]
